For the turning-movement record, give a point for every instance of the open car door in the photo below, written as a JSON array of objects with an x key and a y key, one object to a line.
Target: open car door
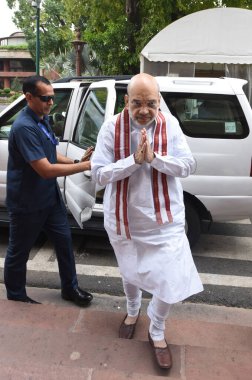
[{"x": 80, "y": 189}]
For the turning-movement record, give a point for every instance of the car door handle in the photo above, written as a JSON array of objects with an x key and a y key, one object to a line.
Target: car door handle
[{"x": 87, "y": 174}]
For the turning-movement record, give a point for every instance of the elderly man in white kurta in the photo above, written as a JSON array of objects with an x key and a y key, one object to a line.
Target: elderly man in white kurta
[{"x": 139, "y": 157}]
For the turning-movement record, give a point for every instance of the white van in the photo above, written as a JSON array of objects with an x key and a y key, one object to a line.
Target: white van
[{"x": 215, "y": 116}]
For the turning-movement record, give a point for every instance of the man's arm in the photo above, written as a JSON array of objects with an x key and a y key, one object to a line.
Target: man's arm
[
  {"x": 63, "y": 159},
  {"x": 47, "y": 170}
]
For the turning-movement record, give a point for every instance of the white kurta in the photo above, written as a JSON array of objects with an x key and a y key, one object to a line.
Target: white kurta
[{"x": 157, "y": 258}]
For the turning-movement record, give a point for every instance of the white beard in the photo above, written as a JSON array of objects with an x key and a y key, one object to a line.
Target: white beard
[{"x": 138, "y": 124}]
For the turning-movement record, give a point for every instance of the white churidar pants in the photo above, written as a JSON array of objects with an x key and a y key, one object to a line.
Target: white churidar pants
[{"x": 157, "y": 310}]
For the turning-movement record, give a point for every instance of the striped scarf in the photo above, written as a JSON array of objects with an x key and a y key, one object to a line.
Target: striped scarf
[{"x": 122, "y": 150}]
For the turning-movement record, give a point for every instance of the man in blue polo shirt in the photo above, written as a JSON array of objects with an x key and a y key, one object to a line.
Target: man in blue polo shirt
[{"x": 33, "y": 196}]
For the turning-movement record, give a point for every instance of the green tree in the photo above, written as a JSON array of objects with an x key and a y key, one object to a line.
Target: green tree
[
  {"x": 118, "y": 31},
  {"x": 77, "y": 12},
  {"x": 55, "y": 32},
  {"x": 61, "y": 64}
]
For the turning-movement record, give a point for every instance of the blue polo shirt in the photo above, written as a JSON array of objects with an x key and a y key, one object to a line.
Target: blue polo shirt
[{"x": 30, "y": 140}]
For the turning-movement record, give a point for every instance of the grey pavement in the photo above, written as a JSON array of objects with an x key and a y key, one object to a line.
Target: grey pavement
[{"x": 58, "y": 340}]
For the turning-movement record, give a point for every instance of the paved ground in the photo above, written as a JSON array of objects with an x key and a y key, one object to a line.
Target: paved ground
[
  {"x": 223, "y": 259},
  {"x": 57, "y": 340}
]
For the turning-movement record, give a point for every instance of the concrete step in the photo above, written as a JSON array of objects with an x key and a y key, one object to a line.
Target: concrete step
[{"x": 55, "y": 341}]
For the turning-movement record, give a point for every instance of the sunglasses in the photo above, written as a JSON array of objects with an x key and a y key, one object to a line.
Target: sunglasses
[{"x": 45, "y": 98}]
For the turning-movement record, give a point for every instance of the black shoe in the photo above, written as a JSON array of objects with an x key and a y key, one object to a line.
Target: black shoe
[
  {"x": 78, "y": 296},
  {"x": 26, "y": 299}
]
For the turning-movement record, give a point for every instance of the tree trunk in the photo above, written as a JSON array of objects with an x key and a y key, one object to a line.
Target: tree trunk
[{"x": 134, "y": 22}]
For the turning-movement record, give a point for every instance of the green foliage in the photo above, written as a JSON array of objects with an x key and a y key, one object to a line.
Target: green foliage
[
  {"x": 14, "y": 47},
  {"x": 118, "y": 38},
  {"x": 115, "y": 32},
  {"x": 55, "y": 32},
  {"x": 77, "y": 12},
  {"x": 6, "y": 90},
  {"x": 111, "y": 47},
  {"x": 61, "y": 64},
  {"x": 16, "y": 84},
  {"x": 6, "y": 95},
  {"x": 14, "y": 96}
]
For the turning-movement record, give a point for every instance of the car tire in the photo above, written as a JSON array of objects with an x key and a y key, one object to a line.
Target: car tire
[{"x": 192, "y": 224}]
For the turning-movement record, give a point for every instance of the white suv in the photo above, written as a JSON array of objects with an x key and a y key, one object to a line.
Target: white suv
[{"x": 216, "y": 118}]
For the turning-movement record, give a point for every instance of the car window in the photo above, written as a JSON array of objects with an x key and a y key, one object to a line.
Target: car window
[
  {"x": 208, "y": 115},
  {"x": 8, "y": 119},
  {"x": 59, "y": 110},
  {"x": 91, "y": 118},
  {"x": 57, "y": 115},
  {"x": 120, "y": 93}
]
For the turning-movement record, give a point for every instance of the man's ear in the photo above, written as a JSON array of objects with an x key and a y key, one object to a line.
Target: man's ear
[
  {"x": 126, "y": 100},
  {"x": 28, "y": 96}
]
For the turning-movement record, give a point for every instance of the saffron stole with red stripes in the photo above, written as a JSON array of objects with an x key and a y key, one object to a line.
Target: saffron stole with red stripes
[{"x": 122, "y": 150}]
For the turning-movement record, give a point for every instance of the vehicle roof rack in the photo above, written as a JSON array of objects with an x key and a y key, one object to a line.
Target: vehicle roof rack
[{"x": 91, "y": 78}]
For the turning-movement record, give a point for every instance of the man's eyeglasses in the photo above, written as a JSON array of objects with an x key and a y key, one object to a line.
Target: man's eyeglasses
[{"x": 45, "y": 98}]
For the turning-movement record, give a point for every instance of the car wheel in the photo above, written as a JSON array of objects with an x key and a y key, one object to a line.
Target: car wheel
[{"x": 192, "y": 224}]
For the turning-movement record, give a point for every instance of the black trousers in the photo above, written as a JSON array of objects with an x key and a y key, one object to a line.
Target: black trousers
[{"x": 24, "y": 230}]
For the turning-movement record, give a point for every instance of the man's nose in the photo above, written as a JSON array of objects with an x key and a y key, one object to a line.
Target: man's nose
[{"x": 144, "y": 109}]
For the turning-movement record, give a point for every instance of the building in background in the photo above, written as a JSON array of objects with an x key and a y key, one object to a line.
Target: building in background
[{"x": 15, "y": 64}]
